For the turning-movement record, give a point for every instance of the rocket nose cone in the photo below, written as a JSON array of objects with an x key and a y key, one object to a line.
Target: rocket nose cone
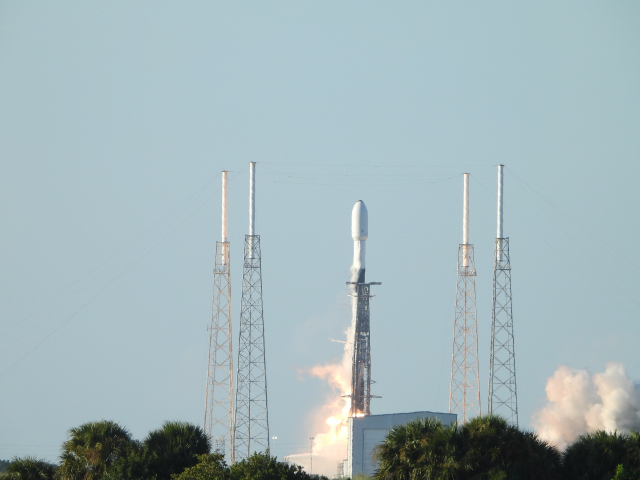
[{"x": 359, "y": 221}]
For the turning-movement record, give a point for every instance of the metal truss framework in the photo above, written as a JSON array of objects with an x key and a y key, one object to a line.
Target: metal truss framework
[
  {"x": 464, "y": 393},
  {"x": 502, "y": 369},
  {"x": 219, "y": 411},
  {"x": 361, "y": 364},
  {"x": 251, "y": 418}
]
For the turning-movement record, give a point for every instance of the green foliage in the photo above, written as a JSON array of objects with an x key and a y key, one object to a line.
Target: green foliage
[
  {"x": 3, "y": 465},
  {"x": 601, "y": 455},
  {"x": 92, "y": 449},
  {"x": 485, "y": 448},
  {"x": 262, "y": 466},
  {"x": 259, "y": 466},
  {"x": 493, "y": 449},
  {"x": 133, "y": 465},
  {"x": 29, "y": 468},
  {"x": 421, "y": 449},
  {"x": 175, "y": 447},
  {"x": 621, "y": 474},
  {"x": 209, "y": 466}
]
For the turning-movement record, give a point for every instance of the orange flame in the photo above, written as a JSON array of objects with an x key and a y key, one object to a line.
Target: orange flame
[{"x": 333, "y": 441}]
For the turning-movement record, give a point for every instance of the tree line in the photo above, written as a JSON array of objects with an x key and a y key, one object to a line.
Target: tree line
[
  {"x": 178, "y": 451},
  {"x": 486, "y": 448}
]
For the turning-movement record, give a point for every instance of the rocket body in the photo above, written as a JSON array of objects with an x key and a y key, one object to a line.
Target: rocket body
[
  {"x": 361, "y": 367},
  {"x": 359, "y": 233}
]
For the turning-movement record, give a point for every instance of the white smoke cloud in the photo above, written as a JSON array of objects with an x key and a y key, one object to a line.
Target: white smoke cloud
[
  {"x": 580, "y": 402},
  {"x": 330, "y": 444}
]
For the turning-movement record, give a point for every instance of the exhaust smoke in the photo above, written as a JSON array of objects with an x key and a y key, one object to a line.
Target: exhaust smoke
[{"x": 580, "y": 402}]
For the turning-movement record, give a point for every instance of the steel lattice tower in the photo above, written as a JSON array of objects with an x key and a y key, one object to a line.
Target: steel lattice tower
[
  {"x": 219, "y": 411},
  {"x": 252, "y": 415},
  {"x": 361, "y": 365},
  {"x": 464, "y": 393},
  {"x": 503, "y": 399}
]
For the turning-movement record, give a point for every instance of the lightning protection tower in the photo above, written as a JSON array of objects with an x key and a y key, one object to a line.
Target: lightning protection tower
[
  {"x": 251, "y": 419},
  {"x": 502, "y": 365},
  {"x": 218, "y": 413},
  {"x": 464, "y": 393}
]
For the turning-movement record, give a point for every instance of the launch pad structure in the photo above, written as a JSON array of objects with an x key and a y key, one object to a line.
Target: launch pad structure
[
  {"x": 361, "y": 366},
  {"x": 503, "y": 398},
  {"x": 239, "y": 426},
  {"x": 251, "y": 433},
  {"x": 464, "y": 393},
  {"x": 219, "y": 410}
]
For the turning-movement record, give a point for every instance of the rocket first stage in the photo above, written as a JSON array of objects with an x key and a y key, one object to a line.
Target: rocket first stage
[{"x": 361, "y": 368}]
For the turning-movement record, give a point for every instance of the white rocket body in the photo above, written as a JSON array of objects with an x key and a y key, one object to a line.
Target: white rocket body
[{"x": 359, "y": 233}]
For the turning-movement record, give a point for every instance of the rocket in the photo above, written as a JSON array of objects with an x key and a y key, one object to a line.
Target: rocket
[
  {"x": 359, "y": 233},
  {"x": 361, "y": 366}
]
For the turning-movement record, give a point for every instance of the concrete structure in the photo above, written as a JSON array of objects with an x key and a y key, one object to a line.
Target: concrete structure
[{"x": 368, "y": 431}]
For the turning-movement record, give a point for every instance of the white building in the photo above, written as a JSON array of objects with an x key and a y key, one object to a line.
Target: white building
[{"x": 367, "y": 432}]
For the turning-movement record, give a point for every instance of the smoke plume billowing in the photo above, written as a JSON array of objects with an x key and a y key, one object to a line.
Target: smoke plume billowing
[
  {"x": 331, "y": 443},
  {"x": 580, "y": 402}
]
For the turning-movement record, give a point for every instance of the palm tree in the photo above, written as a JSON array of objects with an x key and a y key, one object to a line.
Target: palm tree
[
  {"x": 495, "y": 449},
  {"x": 598, "y": 455},
  {"x": 29, "y": 468},
  {"x": 484, "y": 448},
  {"x": 134, "y": 465},
  {"x": 91, "y": 449},
  {"x": 174, "y": 447},
  {"x": 423, "y": 449}
]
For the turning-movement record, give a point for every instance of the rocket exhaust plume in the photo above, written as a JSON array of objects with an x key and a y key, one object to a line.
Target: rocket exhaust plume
[{"x": 580, "y": 402}]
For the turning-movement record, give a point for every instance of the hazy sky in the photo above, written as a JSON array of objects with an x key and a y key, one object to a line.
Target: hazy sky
[{"x": 117, "y": 118}]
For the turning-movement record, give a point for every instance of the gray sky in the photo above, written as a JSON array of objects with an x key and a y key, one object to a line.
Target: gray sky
[{"x": 116, "y": 120}]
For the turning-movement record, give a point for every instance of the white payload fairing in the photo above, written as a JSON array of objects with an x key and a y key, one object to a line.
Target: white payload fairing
[{"x": 359, "y": 233}]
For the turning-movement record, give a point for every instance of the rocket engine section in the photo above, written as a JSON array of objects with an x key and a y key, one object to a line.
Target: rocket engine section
[{"x": 361, "y": 368}]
